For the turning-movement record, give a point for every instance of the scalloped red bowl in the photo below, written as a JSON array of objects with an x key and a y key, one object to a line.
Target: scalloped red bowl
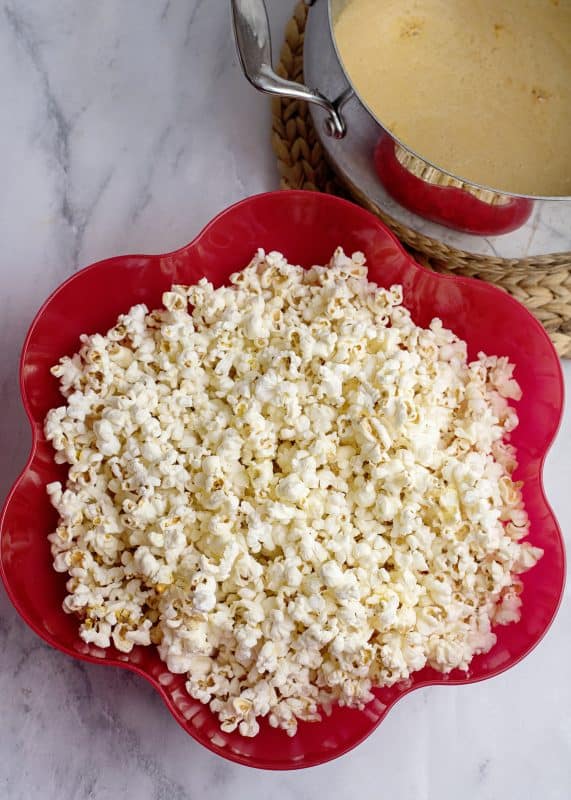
[{"x": 306, "y": 227}]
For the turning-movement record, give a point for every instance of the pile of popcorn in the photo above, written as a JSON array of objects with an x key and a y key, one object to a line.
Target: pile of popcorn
[{"x": 290, "y": 488}]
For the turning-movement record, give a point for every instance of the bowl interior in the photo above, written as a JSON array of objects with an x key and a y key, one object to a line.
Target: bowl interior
[{"x": 306, "y": 227}]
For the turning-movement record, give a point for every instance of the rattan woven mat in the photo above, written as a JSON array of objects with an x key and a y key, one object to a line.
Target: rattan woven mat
[{"x": 543, "y": 284}]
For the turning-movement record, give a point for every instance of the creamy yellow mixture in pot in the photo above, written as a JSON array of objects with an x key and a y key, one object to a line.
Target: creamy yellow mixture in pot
[{"x": 482, "y": 88}]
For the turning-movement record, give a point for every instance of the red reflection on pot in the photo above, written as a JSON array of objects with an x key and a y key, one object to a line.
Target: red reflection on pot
[{"x": 482, "y": 212}]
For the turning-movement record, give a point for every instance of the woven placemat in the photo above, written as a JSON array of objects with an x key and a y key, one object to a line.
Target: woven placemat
[{"x": 543, "y": 284}]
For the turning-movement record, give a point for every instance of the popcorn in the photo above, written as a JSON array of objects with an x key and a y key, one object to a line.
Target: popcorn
[{"x": 290, "y": 489}]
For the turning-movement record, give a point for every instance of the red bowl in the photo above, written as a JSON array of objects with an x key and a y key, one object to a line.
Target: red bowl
[{"x": 306, "y": 227}]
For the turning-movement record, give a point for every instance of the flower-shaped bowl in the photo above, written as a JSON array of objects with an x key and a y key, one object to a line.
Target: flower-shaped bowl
[{"x": 306, "y": 227}]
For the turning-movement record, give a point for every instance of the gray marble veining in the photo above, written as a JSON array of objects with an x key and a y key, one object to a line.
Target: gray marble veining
[{"x": 124, "y": 127}]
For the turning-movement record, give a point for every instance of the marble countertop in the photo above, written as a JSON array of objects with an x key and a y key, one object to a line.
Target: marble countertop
[{"x": 124, "y": 127}]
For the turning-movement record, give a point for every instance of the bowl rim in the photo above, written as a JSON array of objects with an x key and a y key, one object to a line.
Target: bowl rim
[{"x": 135, "y": 668}]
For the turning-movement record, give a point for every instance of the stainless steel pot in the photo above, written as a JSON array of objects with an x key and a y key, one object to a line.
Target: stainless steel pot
[{"x": 392, "y": 177}]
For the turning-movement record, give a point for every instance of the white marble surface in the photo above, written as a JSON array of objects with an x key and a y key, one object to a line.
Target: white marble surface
[{"x": 125, "y": 127}]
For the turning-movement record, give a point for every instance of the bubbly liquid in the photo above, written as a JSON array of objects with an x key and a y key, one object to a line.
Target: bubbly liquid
[{"x": 482, "y": 88}]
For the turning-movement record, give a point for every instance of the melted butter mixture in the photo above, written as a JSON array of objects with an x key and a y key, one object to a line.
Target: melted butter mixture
[{"x": 482, "y": 88}]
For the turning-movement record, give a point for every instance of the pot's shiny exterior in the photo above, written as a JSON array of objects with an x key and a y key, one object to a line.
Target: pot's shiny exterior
[
  {"x": 408, "y": 188},
  {"x": 381, "y": 171}
]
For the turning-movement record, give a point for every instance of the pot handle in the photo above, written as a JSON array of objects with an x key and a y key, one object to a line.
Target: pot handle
[{"x": 252, "y": 32}]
